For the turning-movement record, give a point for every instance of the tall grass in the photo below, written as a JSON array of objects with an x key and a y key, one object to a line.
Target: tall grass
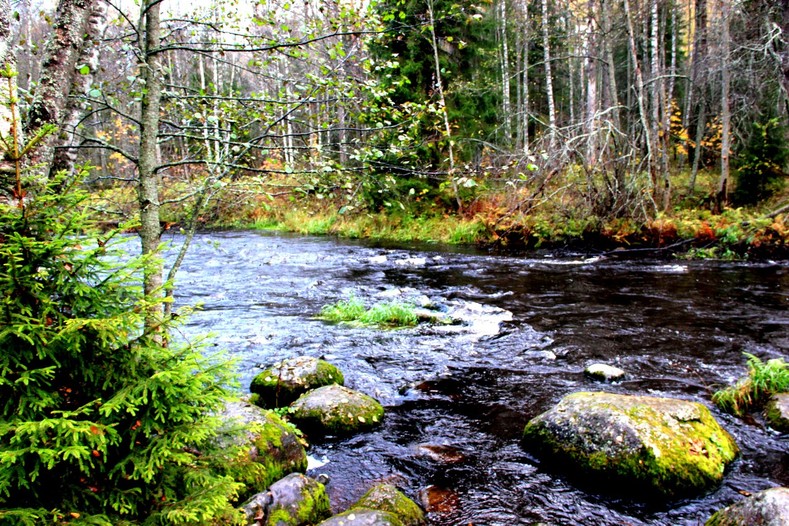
[{"x": 764, "y": 379}]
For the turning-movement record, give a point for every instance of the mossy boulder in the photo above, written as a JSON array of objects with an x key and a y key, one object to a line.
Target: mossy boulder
[
  {"x": 296, "y": 500},
  {"x": 335, "y": 410},
  {"x": 363, "y": 517},
  {"x": 653, "y": 448},
  {"x": 284, "y": 382},
  {"x": 271, "y": 447},
  {"x": 765, "y": 508},
  {"x": 386, "y": 497},
  {"x": 777, "y": 412}
]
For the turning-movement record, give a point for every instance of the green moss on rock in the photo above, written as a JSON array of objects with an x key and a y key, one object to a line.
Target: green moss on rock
[
  {"x": 657, "y": 447},
  {"x": 296, "y": 500},
  {"x": 285, "y": 381},
  {"x": 386, "y": 497},
  {"x": 777, "y": 412},
  {"x": 272, "y": 449},
  {"x": 335, "y": 410},
  {"x": 765, "y": 508},
  {"x": 363, "y": 517}
]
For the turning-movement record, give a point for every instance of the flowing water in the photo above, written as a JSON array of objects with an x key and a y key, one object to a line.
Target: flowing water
[{"x": 457, "y": 397}]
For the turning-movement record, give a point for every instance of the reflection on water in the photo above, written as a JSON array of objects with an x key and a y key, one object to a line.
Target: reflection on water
[{"x": 532, "y": 325}]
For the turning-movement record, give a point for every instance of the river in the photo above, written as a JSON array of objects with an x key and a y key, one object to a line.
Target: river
[{"x": 457, "y": 397}]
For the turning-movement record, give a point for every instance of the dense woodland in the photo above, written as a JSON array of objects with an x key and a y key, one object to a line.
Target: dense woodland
[
  {"x": 604, "y": 109},
  {"x": 636, "y": 120}
]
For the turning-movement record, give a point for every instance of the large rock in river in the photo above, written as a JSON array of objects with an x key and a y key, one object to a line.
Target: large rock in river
[
  {"x": 777, "y": 412},
  {"x": 363, "y": 517},
  {"x": 659, "y": 448},
  {"x": 284, "y": 382},
  {"x": 335, "y": 410},
  {"x": 765, "y": 508},
  {"x": 267, "y": 440},
  {"x": 386, "y": 497},
  {"x": 295, "y": 500}
]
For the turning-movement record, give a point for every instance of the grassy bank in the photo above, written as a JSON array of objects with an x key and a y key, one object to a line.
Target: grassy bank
[{"x": 497, "y": 216}]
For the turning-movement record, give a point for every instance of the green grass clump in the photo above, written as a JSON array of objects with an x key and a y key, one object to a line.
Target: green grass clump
[
  {"x": 351, "y": 309},
  {"x": 764, "y": 379},
  {"x": 389, "y": 314}
]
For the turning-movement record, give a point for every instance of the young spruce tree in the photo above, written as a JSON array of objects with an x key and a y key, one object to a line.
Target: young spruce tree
[{"x": 99, "y": 423}]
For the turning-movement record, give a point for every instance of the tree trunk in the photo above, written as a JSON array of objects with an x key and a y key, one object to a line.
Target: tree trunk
[
  {"x": 639, "y": 77},
  {"x": 546, "y": 46},
  {"x": 723, "y": 183},
  {"x": 65, "y": 157},
  {"x": 590, "y": 73},
  {"x": 149, "y": 178},
  {"x": 8, "y": 118},
  {"x": 504, "y": 58},
  {"x": 58, "y": 70},
  {"x": 443, "y": 102}
]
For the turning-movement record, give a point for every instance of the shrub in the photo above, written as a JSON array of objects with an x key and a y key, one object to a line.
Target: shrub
[
  {"x": 760, "y": 166},
  {"x": 99, "y": 422},
  {"x": 764, "y": 379}
]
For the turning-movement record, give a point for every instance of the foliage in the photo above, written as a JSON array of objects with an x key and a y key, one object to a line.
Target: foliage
[
  {"x": 761, "y": 164},
  {"x": 388, "y": 314},
  {"x": 764, "y": 379},
  {"x": 100, "y": 423}
]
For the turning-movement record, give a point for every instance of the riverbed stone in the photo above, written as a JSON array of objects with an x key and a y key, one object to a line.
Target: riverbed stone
[
  {"x": 363, "y": 517},
  {"x": 604, "y": 372},
  {"x": 267, "y": 440},
  {"x": 387, "y": 498},
  {"x": 777, "y": 412},
  {"x": 765, "y": 508},
  {"x": 335, "y": 410},
  {"x": 284, "y": 382},
  {"x": 652, "y": 448},
  {"x": 296, "y": 500}
]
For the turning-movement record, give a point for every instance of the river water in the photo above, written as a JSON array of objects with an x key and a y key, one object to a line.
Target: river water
[{"x": 457, "y": 397}]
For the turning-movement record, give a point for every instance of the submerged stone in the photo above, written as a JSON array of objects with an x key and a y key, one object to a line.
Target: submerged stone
[
  {"x": 363, "y": 517},
  {"x": 441, "y": 453},
  {"x": 652, "y": 448},
  {"x": 336, "y": 410},
  {"x": 387, "y": 498},
  {"x": 296, "y": 500},
  {"x": 284, "y": 382},
  {"x": 765, "y": 508},
  {"x": 269, "y": 441},
  {"x": 604, "y": 373},
  {"x": 777, "y": 412},
  {"x": 436, "y": 499}
]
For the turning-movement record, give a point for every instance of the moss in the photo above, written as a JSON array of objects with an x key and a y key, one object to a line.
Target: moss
[
  {"x": 776, "y": 417},
  {"x": 283, "y": 383},
  {"x": 669, "y": 449},
  {"x": 309, "y": 506},
  {"x": 386, "y": 497},
  {"x": 336, "y": 410},
  {"x": 276, "y": 451},
  {"x": 364, "y": 516}
]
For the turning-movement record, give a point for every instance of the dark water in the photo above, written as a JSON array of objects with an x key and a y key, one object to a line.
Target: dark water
[{"x": 677, "y": 328}]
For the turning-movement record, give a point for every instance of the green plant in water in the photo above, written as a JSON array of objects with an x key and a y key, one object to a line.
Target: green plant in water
[
  {"x": 389, "y": 314},
  {"x": 348, "y": 310},
  {"x": 764, "y": 379}
]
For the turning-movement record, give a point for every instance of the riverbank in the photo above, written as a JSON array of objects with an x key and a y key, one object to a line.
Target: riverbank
[{"x": 689, "y": 229}]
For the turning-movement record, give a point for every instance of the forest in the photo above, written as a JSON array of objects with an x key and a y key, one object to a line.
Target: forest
[
  {"x": 618, "y": 122},
  {"x": 607, "y": 125}
]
